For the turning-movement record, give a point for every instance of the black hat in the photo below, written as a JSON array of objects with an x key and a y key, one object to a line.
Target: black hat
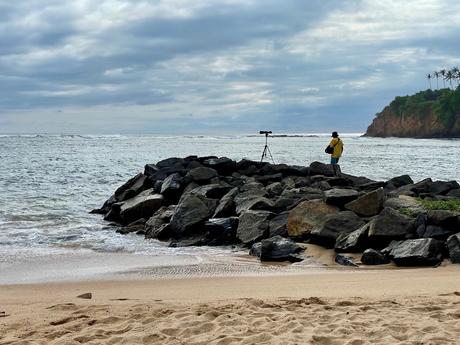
[{"x": 335, "y": 134}]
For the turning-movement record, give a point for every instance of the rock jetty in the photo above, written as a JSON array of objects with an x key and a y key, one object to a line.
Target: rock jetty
[{"x": 274, "y": 208}]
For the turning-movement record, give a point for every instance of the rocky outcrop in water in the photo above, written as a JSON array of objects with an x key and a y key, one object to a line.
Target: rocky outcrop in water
[
  {"x": 216, "y": 201},
  {"x": 427, "y": 114}
]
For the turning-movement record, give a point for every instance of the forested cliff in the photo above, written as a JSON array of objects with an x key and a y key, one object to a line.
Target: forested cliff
[{"x": 427, "y": 114}]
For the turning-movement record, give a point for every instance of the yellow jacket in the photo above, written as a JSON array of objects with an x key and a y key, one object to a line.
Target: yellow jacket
[{"x": 337, "y": 144}]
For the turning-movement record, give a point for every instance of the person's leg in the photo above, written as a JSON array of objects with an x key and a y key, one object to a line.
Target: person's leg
[{"x": 334, "y": 160}]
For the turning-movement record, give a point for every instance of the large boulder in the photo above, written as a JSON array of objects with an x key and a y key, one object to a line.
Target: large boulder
[
  {"x": 448, "y": 220},
  {"x": 142, "y": 205},
  {"x": 190, "y": 213},
  {"x": 417, "y": 252},
  {"x": 158, "y": 225},
  {"x": 213, "y": 191},
  {"x": 400, "y": 181},
  {"x": 339, "y": 197},
  {"x": 318, "y": 168},
  {"x": 137, "y": 226},
  {"x": 353, "y": 242},
  {"x": 253, "y": 226},
  {"x": 170, "y": 162},
  {"x": 374, "y": 257},
  {"x": 223, "y": 165},
  {"x": 201, "y": 174},
  {"x": 253, "y": 203},
  {"x": 404, "y": 203},
  {"x": 278, "y": 225},
  {"x": 332, "y": 225},
  {"x": 389, "y": 225},
  {"x": 221, "y": 231},
  {"x": 370, "y": 204},
  {"x": 132, "y": 187},
  {"x": 226, "y": 206},
  {"x": 172, "y": 187},
  {"x": 453, "y": 245},
  {"x": 308, "y": 214},
  {"x": 277, "y": 248},
  {"x": 443, "y": 187}
]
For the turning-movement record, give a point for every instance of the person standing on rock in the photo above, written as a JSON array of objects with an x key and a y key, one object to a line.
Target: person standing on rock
[{"x": 335, "y": 148}]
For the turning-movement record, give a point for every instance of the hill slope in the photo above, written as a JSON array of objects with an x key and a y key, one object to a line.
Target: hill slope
[{"x": 427, "y": 114}]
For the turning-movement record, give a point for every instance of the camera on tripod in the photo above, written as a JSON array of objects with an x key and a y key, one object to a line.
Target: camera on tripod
[{"x": 266, "y": 152}]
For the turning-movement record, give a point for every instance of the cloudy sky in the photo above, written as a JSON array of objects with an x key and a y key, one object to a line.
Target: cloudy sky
[{"x": 200, "y": 66}]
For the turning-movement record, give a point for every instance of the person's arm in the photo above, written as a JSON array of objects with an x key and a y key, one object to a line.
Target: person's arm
[{"x": 332, "y": 143}]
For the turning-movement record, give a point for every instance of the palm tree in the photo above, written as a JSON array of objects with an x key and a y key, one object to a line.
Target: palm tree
[
  {"x": 436, "y": 74},
  {"x": 428, "y": 76},
  {"x": 443, "y": 74},
  {"x": 449, "y": 76},
  {"x": 456, "y": 74}
]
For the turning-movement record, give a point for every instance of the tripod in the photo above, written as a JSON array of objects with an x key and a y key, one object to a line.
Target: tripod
[{"x": 266, "y": 152}]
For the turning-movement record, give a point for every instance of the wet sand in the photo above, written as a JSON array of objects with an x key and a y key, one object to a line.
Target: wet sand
[{"x": 410, "y": 306}]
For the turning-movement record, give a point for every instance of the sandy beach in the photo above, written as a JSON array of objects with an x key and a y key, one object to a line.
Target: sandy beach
[{"x": 410, "y": 306}]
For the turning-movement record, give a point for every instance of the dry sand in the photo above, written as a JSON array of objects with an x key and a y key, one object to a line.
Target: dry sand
[{"x": 414, "y": 306}]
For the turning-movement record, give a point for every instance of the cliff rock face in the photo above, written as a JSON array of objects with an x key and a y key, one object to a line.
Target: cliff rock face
[
  {"x": 389, "y": 124},
  {"x": 427, "y": 114}
]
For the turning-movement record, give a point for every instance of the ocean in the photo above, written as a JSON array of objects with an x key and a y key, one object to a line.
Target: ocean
[{"x": 49, "y": 183}]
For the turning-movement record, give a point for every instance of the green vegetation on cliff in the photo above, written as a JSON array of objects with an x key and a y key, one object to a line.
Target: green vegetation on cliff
[{"x": 445, "y": 103}]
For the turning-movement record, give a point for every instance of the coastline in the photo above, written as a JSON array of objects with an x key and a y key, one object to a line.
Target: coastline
[{"x": 321, "y": 307}]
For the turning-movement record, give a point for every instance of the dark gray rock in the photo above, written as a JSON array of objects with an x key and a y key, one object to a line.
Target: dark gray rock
[
  {"x": 274, "y": 189},
  {"x": 223, "y": 165},
  {"x": 131, "y": 188},
  {"x": 389, "y": 225},
  {"x": 443, "y": 187},
  {"x": 278, "y": 225},
  {"x": 202, "y": 174},
  {"x": 253, "y": 226},
  {"x": 353, "y": 242},
  {"x": 191, "y": 212},
  {"x": 150, "y": 169},
  {"x": 172, "y": 187},
  {"x": 170, "y": 162},
  {"x": 339, "y": 182},
  {"x": 370, "y": 204},
  {"x": 436, "y": 232},
  {"x": 221, "y": 231},
  {"x": 332, "y": 225},
  {"x": 371, "y": 186},
  {"x": 136, "y": 226},
  {"x": 156, "y": 226},
  {"x": 105, "y": 207},
  {"x": 344, "y": 260},
  {"x": 400, "y": 181},
  {"x": 213, "y": 191},
  {"x": 143, "y": 205},
  {"x": 374, "y": 257},
  {"x": 277, "y": 248},
  {"x": 453, "y": 246},
  {"x": 318, "y": 168},
  {"x": 418, "y": 252},
  {"x": 267, "y": 179},
  {"x": 226, "y": 206},
  {"x": 253, "y": 203},
  {"x": 339, "y": 197},
  {"x": 446, "y": 219},
  {"x": 454, "y": 193}
]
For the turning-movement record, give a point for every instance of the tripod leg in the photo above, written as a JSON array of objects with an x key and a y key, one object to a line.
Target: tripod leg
[
  {"x": 273, "y": 161},
  {"x": 264, "y": 153}
]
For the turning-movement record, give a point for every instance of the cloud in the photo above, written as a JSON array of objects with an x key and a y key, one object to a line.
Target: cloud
[{"x": 229, "y": 65}]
